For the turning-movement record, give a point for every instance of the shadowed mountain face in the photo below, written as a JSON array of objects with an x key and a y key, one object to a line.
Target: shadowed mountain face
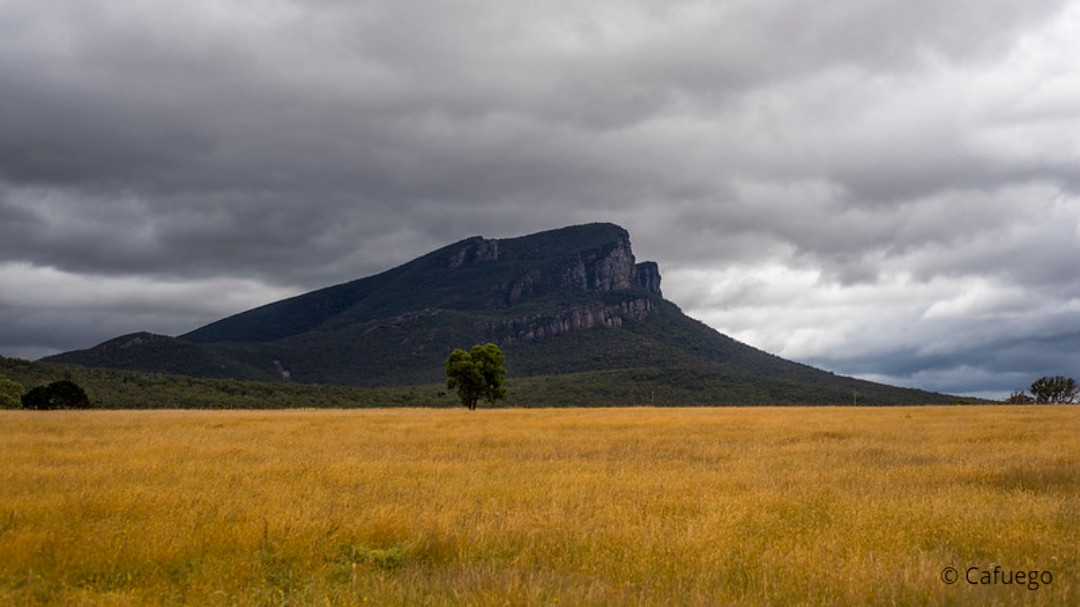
[{"x": 565, "y": 301}]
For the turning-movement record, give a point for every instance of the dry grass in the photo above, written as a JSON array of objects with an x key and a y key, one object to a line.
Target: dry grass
[{"x": 538, "y": 507}]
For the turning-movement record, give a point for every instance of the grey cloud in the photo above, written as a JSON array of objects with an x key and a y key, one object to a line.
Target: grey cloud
[
  {"x": 246, "y": 93},
  {"x": 994, "y": 372},
  {"x": 36, "y": 333}
]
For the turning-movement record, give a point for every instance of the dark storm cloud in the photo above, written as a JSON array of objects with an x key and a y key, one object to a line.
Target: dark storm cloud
[
  {"x": 990, "y": 366},
  {"x": 865, "y": 151}
]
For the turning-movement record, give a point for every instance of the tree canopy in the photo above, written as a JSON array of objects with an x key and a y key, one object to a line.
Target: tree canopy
[
  {"x": 63, "y": 394},
  {"x": 1056, "y": 389},
  {"x": 477, "y": 374}
]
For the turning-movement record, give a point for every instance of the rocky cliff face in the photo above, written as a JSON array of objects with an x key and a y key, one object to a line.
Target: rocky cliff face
[
  {"x": 648, "y": 276},
  {"x": 577, "y": 318},
  {"x": 608, "y": 267},
  {"x": 612, "y": 268}
]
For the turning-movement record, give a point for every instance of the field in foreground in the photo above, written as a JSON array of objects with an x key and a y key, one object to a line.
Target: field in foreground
[{"x": 531, "y": 507}]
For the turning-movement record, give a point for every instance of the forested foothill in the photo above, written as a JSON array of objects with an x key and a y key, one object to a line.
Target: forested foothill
[{"x": 662, "y": 387}]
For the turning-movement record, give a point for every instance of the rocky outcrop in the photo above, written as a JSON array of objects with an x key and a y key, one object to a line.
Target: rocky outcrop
[
  {"x": 577, "y": 318},
  {"x": 648, "y": 276},
  {"x": 475, "y": 249},
  {"x": 285, "y": 374},
  {"x": 522, "y": 287},
  {"x": 609, "y": 269}
]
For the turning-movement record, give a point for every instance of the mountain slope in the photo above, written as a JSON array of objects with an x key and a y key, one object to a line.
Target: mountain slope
[
  {"x": 566, "y": 301},
  {"x": 476, "y": 275}
]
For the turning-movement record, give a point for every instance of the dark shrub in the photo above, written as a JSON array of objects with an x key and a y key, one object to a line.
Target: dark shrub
[{"x": 63, "y": 394}]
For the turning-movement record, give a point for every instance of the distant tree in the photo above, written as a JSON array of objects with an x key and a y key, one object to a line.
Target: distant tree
[
  {"x": 1019, "y": 398},
  {"x": 10, "y": 393},
  {"x": 1056, "y": 389},
  {"x": 477, "y": 374},
  {"x": 63, "y": 394}
]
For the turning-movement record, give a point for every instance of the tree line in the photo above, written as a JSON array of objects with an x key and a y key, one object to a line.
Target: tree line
[{"x": 478, "y": 374}]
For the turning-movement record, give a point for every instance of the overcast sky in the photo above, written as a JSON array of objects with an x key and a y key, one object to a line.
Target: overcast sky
[{"x": 883, "y": 188}]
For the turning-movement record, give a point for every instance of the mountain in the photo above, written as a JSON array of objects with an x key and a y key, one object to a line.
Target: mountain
[{"x": 567, "y": 303}]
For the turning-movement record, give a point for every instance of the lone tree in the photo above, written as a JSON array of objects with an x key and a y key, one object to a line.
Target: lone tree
[
  {"x": 477, "y": 374},
  {"x": 63, "y": 394},
  {"x": 1056, "y": 389}
]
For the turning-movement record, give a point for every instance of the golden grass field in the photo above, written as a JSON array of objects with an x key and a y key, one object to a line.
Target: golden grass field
[{"x": 703, "y": 506}]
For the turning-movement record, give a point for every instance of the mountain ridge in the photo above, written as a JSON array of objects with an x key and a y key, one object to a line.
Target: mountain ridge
[{"x": 569, "y": 300}]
